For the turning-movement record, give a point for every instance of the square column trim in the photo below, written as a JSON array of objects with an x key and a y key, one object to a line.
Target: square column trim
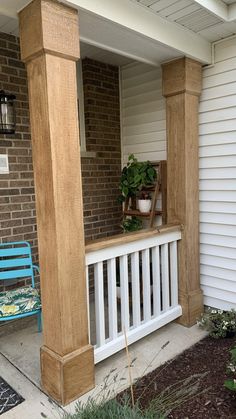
[
  {"x": 43, "y": 28},
  {"x": 183, "y": 75}
]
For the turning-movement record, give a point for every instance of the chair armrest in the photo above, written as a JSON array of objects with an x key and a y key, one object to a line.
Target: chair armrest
[{"x": 36, "y": 268}]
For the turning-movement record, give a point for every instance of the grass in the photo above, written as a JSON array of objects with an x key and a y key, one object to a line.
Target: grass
[{"x": 112, "y": 409}]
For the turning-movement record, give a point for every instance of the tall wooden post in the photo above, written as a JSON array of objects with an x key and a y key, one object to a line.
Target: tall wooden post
[
  {"x": 182, "y": 88},
  {"x": 50, "y": 47}
]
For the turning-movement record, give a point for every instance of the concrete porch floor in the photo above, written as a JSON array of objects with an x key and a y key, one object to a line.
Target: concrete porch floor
[{"x": 20, "y": 365}]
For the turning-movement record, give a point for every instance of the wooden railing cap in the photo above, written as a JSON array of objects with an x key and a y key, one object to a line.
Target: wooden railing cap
[{"x": 120, "y": 239}]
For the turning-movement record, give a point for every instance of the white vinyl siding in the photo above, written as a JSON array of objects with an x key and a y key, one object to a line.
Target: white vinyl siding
[
  {"x": 144, "y": 134},
  {"x": 143, "y": 121},
  {"x": 217, "y": 172}
]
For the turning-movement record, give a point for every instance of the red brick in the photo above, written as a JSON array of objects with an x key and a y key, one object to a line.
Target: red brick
[{"x": 100, "y": 174}]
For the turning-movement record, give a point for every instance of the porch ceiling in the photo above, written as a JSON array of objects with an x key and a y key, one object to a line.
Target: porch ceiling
[
  {"x": 126, "y": 29},
  {"x": 209, "y": 20},
  {"x": 108, "y": 42},
  {"x": 152, "y": 31}
]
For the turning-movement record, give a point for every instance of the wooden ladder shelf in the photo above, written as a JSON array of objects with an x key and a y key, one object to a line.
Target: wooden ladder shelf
[{"x": 160, "y": 186}]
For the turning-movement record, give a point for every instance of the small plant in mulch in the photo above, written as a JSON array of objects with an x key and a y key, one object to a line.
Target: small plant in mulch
[
  {"x": 219, "y": 323},
  {"x": 230, "y": 383}
]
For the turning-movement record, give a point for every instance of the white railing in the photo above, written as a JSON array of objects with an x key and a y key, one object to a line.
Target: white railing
[{"x": 135, "y": 281}]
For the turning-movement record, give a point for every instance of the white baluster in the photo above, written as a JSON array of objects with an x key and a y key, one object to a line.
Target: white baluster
[
  {"x": 112, "y": 298},
  {"x": 135, "y": 288},
  {"x": 124, "y": 292},
  {"x": 165, "y": 277},
  {"x": 146, "y": 285},
  {"x": 88, "y": 304},
  {"x": 156, "y": 281},
  {"x": 99, "y": 303},
  {"x": 174, "y": 274}
]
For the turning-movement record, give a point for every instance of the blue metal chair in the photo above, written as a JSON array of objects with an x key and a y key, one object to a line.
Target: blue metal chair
[{"x": 16, "y": 262}]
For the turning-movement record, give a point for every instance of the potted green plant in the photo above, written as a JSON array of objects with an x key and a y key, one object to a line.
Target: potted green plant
[
  {"x": 135, "y": 177},
  {"x": 131, "y": 224}
]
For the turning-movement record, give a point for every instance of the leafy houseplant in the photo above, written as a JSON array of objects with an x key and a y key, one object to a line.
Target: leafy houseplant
[
  {"x": 219, "y": 323},
  {"x": 230, "y": 383},
  {"x": 131, "y": 224},
  {"x": 135, "y": 176}
]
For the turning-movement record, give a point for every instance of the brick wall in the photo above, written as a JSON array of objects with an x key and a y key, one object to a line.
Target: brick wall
[
  {"x": 17, "y": 201},
  {"x": 100, "y": 174}
]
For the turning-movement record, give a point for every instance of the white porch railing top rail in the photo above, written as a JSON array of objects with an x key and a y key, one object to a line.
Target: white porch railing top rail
[{"x": 135, "y": 282}]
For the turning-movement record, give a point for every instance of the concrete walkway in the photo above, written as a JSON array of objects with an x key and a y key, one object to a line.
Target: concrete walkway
[
  {"x": 20, "y": 366},
  {"x": 36, "y": 405}
]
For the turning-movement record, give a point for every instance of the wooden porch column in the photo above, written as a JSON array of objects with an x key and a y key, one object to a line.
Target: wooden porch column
[
  {"x": 182, "y": 88},
  {"x": 50, "y": 47}
]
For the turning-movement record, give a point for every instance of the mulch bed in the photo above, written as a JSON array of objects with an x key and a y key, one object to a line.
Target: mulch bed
[{"x": 209, "y": 355}]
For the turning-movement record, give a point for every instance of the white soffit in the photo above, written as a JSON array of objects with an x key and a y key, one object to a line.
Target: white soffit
[{"x": 211, "y": 19}]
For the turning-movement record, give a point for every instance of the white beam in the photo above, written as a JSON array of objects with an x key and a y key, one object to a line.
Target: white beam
[
  {"x": 217, "y": 7},
  {"x": 105, "y": 35},
  {"x": 150, "y": 25}
]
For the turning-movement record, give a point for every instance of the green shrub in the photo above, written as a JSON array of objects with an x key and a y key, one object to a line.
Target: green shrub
[{"x": 218, "y": 323}]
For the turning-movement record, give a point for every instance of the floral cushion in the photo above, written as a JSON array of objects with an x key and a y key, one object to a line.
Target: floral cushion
[{"x": 19, "y": 301}]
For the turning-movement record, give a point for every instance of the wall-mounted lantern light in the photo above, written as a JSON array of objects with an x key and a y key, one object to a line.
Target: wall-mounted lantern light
[{"x": 7, "y": 113}]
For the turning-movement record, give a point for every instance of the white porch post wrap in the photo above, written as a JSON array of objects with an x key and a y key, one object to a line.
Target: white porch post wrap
[{"x": 50, "y": 47}]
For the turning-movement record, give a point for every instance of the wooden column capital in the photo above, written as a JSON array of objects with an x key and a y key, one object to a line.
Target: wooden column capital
[
  {"x": 183, "y": 75},
  {"x": 45, "y": 29}
]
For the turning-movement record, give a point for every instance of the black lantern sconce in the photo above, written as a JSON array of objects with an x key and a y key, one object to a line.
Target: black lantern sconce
[{"x": 7, "y": 113}]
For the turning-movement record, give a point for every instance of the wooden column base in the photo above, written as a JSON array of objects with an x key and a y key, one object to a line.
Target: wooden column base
[
  {"x": 67, "y": 377},
  {"x": 192, "y": 306}
]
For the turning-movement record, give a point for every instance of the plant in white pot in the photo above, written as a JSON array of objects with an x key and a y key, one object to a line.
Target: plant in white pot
[{"x": 144, "y": 201}]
